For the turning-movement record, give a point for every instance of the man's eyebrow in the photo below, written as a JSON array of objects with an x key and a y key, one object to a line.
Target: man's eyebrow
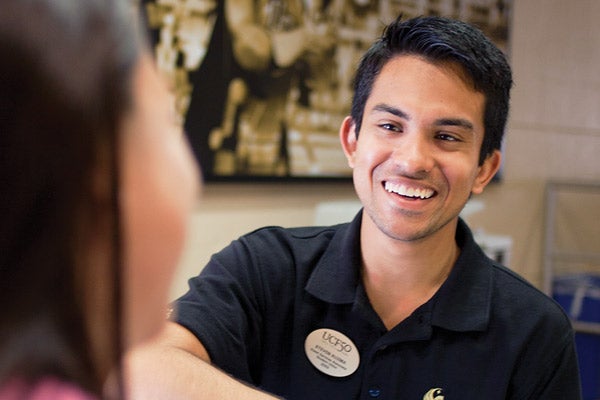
[
  {"x": 382, "y": 107},
  {"x": 459, "y": 122}
]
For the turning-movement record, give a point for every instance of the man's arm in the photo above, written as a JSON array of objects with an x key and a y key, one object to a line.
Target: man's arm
[{"x": 177, "y": 366}]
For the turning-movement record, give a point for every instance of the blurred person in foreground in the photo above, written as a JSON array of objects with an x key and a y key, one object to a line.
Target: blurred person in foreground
[
  {"x": 97, "y": 185},
  {"x": 400, "y": 303}
]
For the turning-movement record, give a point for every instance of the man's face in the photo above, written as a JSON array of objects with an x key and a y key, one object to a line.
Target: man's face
[{"x": 415, "y": 162}]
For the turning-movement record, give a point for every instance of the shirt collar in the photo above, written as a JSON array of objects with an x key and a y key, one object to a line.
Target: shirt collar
[
  {"x": 462, "y": 304},
  {"x": 336, "y": 275}
]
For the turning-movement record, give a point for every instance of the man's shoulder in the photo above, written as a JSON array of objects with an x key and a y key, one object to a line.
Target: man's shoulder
[
  {"x": 275, "y": 244},
  {"x": 278, "y": 234},
  {"x": 520, "y": 299}
]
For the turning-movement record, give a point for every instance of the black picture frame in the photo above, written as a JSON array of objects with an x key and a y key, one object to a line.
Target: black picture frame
[{"x": 278, "y": 120}]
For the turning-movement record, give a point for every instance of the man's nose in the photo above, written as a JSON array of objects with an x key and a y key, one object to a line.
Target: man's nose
[{"x": 413, "y": 155}]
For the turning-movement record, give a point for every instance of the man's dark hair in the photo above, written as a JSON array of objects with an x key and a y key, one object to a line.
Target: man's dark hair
[{"x": 438, "y": 40}]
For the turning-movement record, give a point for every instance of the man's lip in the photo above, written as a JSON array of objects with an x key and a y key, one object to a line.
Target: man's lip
[{"x": 409, "y": 190}]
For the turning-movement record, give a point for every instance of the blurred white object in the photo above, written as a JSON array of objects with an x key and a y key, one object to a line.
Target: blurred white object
[
  {"x": 497, "y": 247},
  {"x": 336, "y": 212},
  {"x": 472, "y": 207}
]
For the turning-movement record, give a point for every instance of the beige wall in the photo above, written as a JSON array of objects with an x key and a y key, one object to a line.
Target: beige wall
[
  {"x": 554, "y": 133},
  {"x": 554, "y": 128}
]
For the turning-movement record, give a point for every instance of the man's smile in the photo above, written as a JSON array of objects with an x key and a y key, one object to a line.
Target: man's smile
[{"x": 409, "y": 192}]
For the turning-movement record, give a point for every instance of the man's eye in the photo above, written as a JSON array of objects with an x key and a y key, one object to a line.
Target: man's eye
[
  {"x": 390, "y": 127},
  {"x": 447, "y": 137}
]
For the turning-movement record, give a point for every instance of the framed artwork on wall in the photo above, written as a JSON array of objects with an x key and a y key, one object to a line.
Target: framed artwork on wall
[{"x": 262, "y": 86}]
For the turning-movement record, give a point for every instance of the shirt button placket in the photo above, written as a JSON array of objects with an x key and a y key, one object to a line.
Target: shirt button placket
[{"x": 376, "y": 375}]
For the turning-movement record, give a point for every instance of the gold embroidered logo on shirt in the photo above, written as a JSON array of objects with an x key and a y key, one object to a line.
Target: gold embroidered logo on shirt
[{"x": 434, "y": 394}]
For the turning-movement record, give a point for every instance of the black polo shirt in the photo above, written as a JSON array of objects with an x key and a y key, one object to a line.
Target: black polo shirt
[{"x": 486, "y": 333}]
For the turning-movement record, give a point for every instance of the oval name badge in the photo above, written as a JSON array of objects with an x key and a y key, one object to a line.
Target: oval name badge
[{"x": 332, "y": 352}]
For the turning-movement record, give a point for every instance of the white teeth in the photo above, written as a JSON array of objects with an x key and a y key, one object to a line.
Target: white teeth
[{"x": 408, "y": 192}]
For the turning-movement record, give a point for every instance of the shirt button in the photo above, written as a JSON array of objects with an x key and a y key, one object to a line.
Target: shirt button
[{"x": 374, "y": 392}]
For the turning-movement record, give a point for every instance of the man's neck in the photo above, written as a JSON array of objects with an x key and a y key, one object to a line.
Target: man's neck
[{"x": 399, "y": 276}]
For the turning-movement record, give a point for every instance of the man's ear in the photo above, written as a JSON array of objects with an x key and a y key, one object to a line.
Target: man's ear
[
  {"x": 348, "y": 139},
  {"x": 487, "y": 170}
]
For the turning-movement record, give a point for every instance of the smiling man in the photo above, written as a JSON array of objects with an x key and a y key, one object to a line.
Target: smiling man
[
  {"x": 415, "y": 162},
  {"x": 400, "y": 303}
]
